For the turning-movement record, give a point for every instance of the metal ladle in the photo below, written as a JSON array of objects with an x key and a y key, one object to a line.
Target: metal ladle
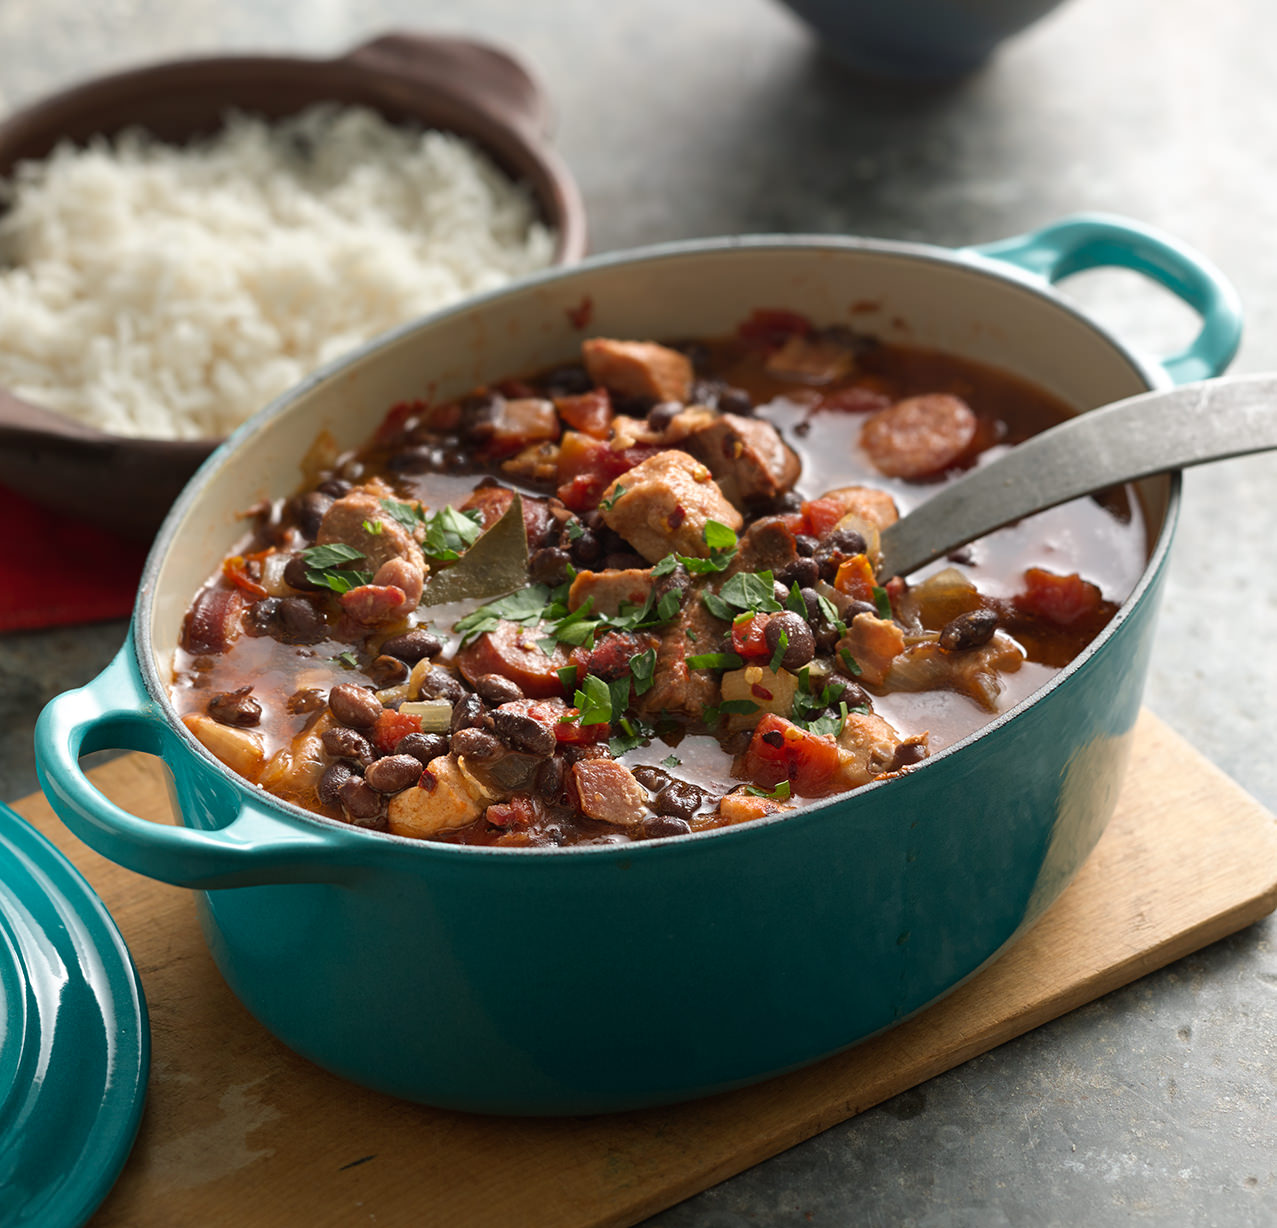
[{"x": 1153, "y": 432}]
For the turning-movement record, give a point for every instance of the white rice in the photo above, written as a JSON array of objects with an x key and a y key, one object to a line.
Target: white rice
[{"x": 170, "y": 292}]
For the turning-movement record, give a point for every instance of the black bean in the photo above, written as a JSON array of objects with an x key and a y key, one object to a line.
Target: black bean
[
  {"x": 586, "y": 550},
  {"x": 308, "y": 699},
  {"x": 420, "y": 458},
  {"x": 334, "y": 487},
  {"x": 805, "y": 544},
  {"x": 836, "y": 549},
  {"x": 479, "y": 415},
  {"x": 827, "y": 638},
  {"x": 263, "y": 616},
  {"x": 549, "y": 565},
  {"x": 329, "y": 788},
  {"x": 355, "y": 706},
  {"x": 802, "y": 571},
  {"x": 663, "y": 413},
  {"x": 413, "y": 645},
  {"x": 351, "y": 470},
  {"x": 658, "y": 825},
  {"x": 439, "y": 684},
  {"x": 393, "y": 773},
  {"x": 852, "y": 694},
  {"x": 521, "y": 732},
  {"x": 359, "y": 799},
  {"x": 422, "y": 746},
  {"x": 467, "y": 712},
  {"x": 309, "y": 511},
  {"x": 624, "y": 560},
  {"x": 569, "y": 381},
  {"x": 971, "y": 630},
  {"x": 855, "y": 607},
  {"x": 653, "y": 779},
  {"x": 801, "y": 643},
  {"x": 811, "y": 599},
  {"x": 477, "y": 744},
  {"x": 680, "y": 799},
  {"x": 299, "y": 622},
  {"x": 906, "y": 754},
  {"x": 787, "y": 501},
  {"x": 296, "y": 575},
  {"x": 735, "y": 401},
  {"x": 387, "y": 671},
  {"x": 237, "y": 708},
  {"x": 497, "y": 688},
  {"x": 550, "y": 779},
  {"x": 343, "y": 743},
  {"x": 780, "y": 592}
]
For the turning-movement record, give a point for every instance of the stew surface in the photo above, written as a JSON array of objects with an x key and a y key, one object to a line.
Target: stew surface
[{"x": 634, "y": 596}]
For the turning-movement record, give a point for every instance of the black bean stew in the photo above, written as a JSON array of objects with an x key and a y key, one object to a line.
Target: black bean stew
[{"x": 634, "y": 596}]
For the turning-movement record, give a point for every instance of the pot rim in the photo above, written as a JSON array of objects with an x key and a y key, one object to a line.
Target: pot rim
[{"x": 141, "y": 625}]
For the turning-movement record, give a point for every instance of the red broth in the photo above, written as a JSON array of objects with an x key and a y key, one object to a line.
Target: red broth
[{"x": 735, "y": 655}]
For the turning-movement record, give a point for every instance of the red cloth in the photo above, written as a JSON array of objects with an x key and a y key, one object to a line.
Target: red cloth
[{"x": 56, "y": 570}]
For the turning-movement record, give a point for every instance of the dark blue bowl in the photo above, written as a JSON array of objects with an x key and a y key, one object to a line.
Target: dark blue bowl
[{"x": 917, "y": 38}]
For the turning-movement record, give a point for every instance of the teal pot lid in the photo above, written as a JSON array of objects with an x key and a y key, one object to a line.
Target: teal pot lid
[{"x": 74, "y": 1042}]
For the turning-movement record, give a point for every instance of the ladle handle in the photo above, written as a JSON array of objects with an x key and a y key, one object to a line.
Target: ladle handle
[{"x": 1142, "y": 435}]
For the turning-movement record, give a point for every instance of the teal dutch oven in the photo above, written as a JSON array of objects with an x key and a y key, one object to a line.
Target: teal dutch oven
[{"x": 592, "y": 979}]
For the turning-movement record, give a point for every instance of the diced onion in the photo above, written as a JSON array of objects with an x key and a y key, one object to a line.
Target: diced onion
[{"x": 435, "y": 714}]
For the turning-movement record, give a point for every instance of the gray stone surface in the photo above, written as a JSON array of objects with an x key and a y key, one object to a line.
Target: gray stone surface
[{"x": 1154, "y": 1106}]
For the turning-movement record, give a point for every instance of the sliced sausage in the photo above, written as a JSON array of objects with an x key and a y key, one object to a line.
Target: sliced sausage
[
  {"x": 919, "y": 436},
  {"x": 512, "y": 651}
]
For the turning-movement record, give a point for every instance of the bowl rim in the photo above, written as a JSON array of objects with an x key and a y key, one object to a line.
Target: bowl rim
[{"x": 141, "y": 623}]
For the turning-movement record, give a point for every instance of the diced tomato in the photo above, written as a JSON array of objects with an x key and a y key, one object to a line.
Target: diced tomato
[
  {"x": 1059, "y": 599},
  {"x": 392, "y": 425},
  {"x": 390, "y": 726},
  {"x": 856, "y": 578},
  {"x": 771, "y": 326},
  {"x": 571, "y": 733},
  {"x": 236, "y": 570},
  {"x": 590, "y": 412},
  {"x": 822, "y": 514},
  {"x": 748, "y": 636},
  {"x": 587, "y": 467},
  {"x": 780, "y": 750}
]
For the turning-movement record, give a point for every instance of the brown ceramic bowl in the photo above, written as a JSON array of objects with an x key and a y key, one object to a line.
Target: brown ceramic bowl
[{"x": 469, "y": 88}]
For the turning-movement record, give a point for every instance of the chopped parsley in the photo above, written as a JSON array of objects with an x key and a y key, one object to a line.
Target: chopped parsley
[
  {"x": 671, "y": 761},
  {"x": 594, "y": 701},
  {"x": 634, "y": 733},
  {"x": 849, "y": 662},
  {"x": 324, "y": 567},
  {"x": 643, "y": 670},
  {"x": 883, "y": 602},
  {"x": 747, "y": 592},
  {"x": 778, "y": 794},
  {"x": 575, "y": 529},
  {"x": 715, "y": 660},
  {"x": 782, "y": 647},
  {"x": 375, "y": 527},
  {"x": 448, "y": 532},
  {"x": 347, "y": 659},
  {"x": 526, "y": 606},
  {"x": 609, "y": 503}
]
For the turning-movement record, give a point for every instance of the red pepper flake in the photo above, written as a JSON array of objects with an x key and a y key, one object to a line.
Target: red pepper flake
[
  {"x": 428, "y": 781},
  {"x": 676, "y": 517},
  {"x": 758, "y": 691},
  {"x": 581, "y": 315}
]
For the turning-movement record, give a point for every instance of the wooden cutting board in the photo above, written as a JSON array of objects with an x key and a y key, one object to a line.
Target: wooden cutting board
[{"x": 238, "y": 1129}]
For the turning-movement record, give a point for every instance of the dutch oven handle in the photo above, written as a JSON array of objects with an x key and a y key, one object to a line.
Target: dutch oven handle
[
  {"x": 487, "y": 77},
  {"x": 247, "y": 848},
  {"x": 1097, "y": 240}
]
